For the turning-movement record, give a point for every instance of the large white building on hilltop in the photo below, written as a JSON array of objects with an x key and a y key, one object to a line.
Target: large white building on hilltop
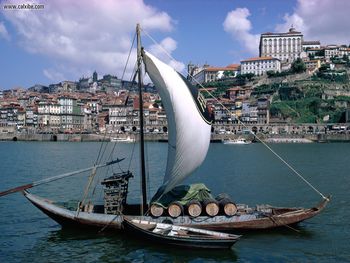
[
  {"x": 285, "y": 46},
  {"x": 259, "y": 66}
]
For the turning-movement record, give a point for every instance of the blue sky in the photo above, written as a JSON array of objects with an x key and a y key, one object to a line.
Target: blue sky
[{"x": 70, "y": 39}]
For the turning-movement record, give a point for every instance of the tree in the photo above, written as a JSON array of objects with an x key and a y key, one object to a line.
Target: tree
[{"x": 298, "y": 66}]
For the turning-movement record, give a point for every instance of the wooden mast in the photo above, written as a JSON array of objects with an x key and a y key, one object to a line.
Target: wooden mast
[{"x": 142, "y": 141}]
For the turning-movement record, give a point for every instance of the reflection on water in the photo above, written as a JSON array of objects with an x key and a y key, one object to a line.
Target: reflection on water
[{"x": 110, "y": 247}]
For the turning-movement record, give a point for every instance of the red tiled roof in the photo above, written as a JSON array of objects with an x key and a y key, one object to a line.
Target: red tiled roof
[
  {"x": 222, "y": 68},
  {"x": 258, "y": 58}
]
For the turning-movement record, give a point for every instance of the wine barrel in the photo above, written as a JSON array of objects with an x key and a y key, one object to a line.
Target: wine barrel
[
  {"x": 211, "y": 207},
  {"x": 194, "y": 208},
  {"x": 156, "y": 210},
  {"x": 228, "y": 207},
  {"x": 175, "y": 209}
]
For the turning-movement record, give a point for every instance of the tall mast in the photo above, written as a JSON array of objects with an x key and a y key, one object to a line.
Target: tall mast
[{"x": 142, "y": 140}]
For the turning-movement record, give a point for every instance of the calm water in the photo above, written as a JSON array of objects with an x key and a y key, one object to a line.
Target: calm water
[{"x": 249, "y": 173}]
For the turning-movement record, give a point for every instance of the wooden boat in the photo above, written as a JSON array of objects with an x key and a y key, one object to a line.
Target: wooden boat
[
  {"x": 188, "y": 124},
  {"x": 168, "y": 234},
  {"x": 261, "y": 217}
]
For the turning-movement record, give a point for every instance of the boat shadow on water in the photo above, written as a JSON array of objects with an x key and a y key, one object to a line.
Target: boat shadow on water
[
  {"x": 298, "y": 231},
  {"x": 126, "y": 247}
]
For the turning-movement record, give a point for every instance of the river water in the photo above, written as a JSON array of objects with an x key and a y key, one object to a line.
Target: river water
[{"x": 249, "y": 173}]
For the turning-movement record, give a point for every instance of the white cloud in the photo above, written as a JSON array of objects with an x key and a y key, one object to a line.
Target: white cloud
[
  {"x": 53, "y": 75},
  {"x": 324, "y": 20},
  {"x": 239, "y": 26},
  {"x": 3, "y": 32},
  {"x": 83, "y": 36},
  {"x": 163, "y": 52}
]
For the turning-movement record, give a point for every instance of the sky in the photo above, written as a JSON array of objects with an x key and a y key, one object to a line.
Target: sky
[{"x": 67, "y": 40}]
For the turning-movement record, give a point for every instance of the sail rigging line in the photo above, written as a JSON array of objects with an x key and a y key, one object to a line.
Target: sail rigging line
[
  {"x": 81, "y": 203},
  {"x": 122, "y": 77},
  {"x": 110, "y": 157},
  {"x": 267, "y": 146},
  {"x": 241, "y": 123}
]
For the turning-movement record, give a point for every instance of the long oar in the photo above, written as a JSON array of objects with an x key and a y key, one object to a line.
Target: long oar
[{"x": 57, "y": 177}]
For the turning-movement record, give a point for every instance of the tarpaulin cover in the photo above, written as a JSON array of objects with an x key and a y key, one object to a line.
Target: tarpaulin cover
[{"x": 182, "y": 194}]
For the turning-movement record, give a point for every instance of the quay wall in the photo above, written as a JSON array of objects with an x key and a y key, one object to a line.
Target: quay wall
[{"x": 345, "y": 137}]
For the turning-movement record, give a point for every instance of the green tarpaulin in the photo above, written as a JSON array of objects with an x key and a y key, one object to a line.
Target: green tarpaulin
[{"x": 182, "y": 194}]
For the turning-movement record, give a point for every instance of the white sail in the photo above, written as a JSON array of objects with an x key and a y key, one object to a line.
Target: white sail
[{"x": 189, "y": 127}]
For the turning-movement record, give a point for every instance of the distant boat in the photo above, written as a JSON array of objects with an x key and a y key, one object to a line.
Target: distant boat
[
  {"x": 127, "y": 139},
  {"x": 168, "y": 234},
  {"x": 236, "y": 141}
]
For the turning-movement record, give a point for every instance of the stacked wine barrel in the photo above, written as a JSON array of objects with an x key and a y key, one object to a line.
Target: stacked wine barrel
[
  {"x": 211, "y": 207},
  {"x": 194, "y": 208},
  {"x": 175, "y": 209},
  {"x": 156, "y": 210},
  {"x": 228, "y": 207},
  {"x": 221, "y": 205}
]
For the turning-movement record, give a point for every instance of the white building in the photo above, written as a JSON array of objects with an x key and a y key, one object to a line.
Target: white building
[
  {"x": 285, "y": 46},
  {"x": 260, "y": 65},
  {"x": 49, "y": 114},
  {"x": 311, "y": 44},
  {"x": 209, "y": 74},
  {"x": 335, "y": 51}
]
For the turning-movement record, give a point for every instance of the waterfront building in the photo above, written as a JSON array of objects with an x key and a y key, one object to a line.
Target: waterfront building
[
  {"x": 49, "y": 115},
  {"x": 70, "y": 112},
  {"x": 31, "y": 119},
  {"x": 284, "y": 46},
  {"x": 120, "y": 117},
  {"x": 260, "y": 65}
]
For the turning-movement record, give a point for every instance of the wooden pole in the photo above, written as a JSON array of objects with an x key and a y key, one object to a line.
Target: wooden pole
[
  {"x": 142, "y": 140},
  {"x": 55, "y": 178}
]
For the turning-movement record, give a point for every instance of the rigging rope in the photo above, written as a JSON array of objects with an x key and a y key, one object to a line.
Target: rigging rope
[
  {"x": 103, "y": 146},
  {"x": 241, "y": 123}
]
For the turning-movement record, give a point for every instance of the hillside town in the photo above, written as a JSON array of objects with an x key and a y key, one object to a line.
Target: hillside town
[{"x": 250, "y": 96}]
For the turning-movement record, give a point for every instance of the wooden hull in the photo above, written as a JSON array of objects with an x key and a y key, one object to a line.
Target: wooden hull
[
  {"x": 203, "y": 240},
  {"x": 255, "y": 220}
]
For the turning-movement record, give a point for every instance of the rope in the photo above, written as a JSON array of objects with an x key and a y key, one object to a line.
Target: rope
[{"x": 241, "y": 123}]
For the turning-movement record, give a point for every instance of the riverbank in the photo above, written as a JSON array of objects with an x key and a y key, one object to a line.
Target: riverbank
[{"x": 270, "y": 138}]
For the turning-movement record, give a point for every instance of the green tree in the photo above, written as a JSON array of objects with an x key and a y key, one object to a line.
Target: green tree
[{"x": 298, "y": 66}]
